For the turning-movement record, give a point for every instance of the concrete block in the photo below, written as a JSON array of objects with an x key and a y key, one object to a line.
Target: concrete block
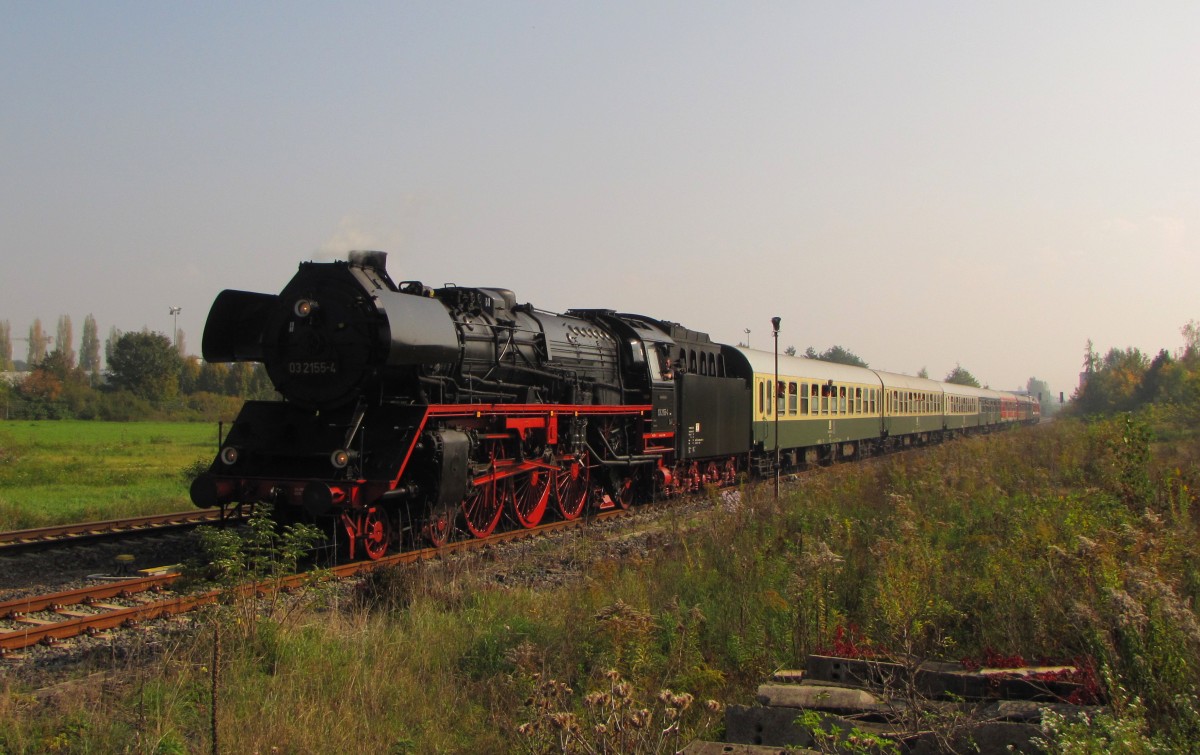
[
  {"x": 752, "y": 725},
  {"x": 820, "y": 697}
]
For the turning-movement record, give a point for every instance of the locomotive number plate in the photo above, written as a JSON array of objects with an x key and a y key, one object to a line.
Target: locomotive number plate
[{"x": 312, "y": 368}]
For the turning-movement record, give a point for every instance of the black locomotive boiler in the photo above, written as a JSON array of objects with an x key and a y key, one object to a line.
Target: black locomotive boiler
[{"x": 412, "y": 413}]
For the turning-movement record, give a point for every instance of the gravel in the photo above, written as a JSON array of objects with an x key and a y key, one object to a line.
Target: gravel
[{"x": 547, "y": 561}]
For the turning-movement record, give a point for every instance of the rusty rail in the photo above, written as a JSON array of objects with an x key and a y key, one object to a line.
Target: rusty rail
[
  {"x": 47, "y": 537},
  {"x": 47, "y": 632}
]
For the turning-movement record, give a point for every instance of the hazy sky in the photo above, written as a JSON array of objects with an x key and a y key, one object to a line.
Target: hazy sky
[{"x": 924, "y": 183}]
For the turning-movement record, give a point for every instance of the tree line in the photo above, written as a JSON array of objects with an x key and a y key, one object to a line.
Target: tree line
[
  {"x": 146, "y": 375},
  {"x": 1127, "y": 379},
  {"x": 959, "y": 375}
]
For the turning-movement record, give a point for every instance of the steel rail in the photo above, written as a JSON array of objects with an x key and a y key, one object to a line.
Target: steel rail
[
  {"x": 33, "y": 604},
  {"x": 41, "y": 537}
]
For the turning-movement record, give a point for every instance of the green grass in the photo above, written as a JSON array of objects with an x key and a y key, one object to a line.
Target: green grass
[{"x": 57, "y": 472}]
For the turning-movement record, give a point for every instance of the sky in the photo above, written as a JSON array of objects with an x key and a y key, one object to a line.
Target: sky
[{"x": 924, "y": 183}]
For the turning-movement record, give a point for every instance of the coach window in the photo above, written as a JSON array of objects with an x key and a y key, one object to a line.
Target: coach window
[
  {"x": 791, "y": 398},
  {"x": 825, "y": 398},
  {"x": 842, "y": 399},
  {"x": 760, "y": 397}
]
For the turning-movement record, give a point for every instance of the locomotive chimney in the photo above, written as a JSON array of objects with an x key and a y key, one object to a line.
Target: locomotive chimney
[{"x": 376, "y": 260}]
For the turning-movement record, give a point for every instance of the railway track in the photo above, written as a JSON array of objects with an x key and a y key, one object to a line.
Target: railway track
[
  {"x": 48, "y": 619},
  {"x": 50, "y": 537}
]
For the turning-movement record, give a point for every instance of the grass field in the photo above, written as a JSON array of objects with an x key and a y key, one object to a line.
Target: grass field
[{"x": 56, "y": 472}]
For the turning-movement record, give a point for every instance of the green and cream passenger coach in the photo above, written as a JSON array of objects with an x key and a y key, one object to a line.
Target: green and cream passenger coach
[{"x": 826, "y": 411}]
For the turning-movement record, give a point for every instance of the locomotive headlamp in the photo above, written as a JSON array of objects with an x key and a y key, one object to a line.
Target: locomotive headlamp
[
  {"x": 339, "y": 459},
  {"x": 304, "y": 307},
  {"x": 229, "y": 456}
]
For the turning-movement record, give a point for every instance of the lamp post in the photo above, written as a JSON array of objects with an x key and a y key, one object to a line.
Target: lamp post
[
  {"x": 175, "y": 313},
  {"x": 775, "y": 333}
]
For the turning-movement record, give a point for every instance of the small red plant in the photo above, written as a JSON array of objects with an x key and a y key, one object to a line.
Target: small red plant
[{"x": 850, "y": 642}]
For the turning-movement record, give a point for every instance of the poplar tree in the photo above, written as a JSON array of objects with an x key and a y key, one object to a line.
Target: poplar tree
[
  {"x": 89, "y": 348},
  {"x": 5, "y": 346},
  {"x": 65, "y": 340},
  {"x": 37, "y": 344},
  {"x": 114, "y": 335}
]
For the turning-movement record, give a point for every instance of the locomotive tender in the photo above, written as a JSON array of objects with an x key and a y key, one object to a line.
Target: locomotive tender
[{"x": 414, "y": 414}]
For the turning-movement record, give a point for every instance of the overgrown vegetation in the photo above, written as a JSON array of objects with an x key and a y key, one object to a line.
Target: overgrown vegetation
[{"x": 1054, "y": 543}]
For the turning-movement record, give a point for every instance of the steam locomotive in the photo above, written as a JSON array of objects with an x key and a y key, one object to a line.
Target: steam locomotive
[{"x": 414, "y": 414}]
